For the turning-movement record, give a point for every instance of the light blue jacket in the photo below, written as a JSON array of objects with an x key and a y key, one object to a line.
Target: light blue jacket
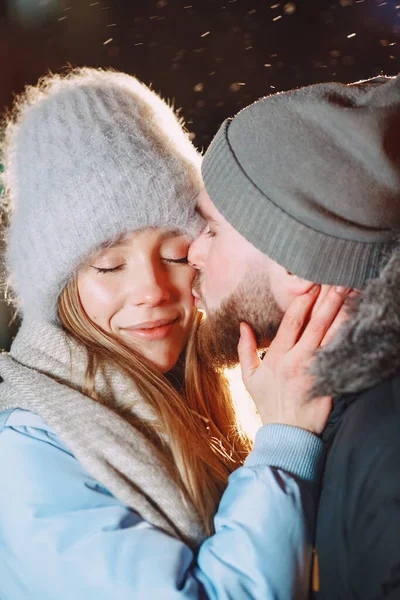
[{"x": 63, "y": 536}]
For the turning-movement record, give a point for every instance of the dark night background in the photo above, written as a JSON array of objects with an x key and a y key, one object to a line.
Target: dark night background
[{"x": 210, "y": 57}]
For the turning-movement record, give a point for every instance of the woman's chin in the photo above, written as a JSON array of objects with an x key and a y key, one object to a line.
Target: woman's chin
[
  {"x": 162, "y": 359},
  {"x": 163, "y": 364}
]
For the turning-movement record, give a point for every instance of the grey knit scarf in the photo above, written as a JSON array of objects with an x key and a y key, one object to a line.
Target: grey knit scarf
[{"x": 44, "y": 372}]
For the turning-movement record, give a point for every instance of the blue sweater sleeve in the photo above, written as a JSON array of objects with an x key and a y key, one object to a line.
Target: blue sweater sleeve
[{"x": 64, "y": 536}]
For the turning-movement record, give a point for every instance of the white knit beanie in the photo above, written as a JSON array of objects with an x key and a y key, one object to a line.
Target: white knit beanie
[{"x": 88, "y": 157}]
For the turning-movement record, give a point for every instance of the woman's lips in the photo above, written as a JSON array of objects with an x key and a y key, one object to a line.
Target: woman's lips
[{"x": 150, "y": 334}]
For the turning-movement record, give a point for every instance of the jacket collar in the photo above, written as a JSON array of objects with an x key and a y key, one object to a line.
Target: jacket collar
[
  {"x": 367, "y": 349},
  {"x": 340, "y": 405}
]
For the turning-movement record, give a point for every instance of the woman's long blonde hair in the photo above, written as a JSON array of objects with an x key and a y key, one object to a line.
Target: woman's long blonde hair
[{"x": 205, "y": 441}]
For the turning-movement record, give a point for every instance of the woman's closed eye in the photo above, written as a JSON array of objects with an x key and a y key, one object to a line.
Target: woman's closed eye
[
  {"x": 179, "y": 261},
  {"x": 111, "y": 270},
  {"x": 103, "y": 270}
]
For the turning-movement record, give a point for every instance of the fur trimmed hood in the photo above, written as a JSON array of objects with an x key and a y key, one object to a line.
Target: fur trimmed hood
[{"x": 367, "y": 349}]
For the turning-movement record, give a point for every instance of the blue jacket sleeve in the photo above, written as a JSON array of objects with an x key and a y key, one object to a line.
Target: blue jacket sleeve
[{"x": 64, "y": 536}]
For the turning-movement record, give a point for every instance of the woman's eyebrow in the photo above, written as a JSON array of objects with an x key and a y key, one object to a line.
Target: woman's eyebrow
[
  {"x": 119, "y": 241},
  {"x": 122, "y": 239},
  {"x": 167, "y": 235}
]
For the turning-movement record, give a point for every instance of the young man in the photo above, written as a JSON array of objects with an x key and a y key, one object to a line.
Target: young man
[{"x": 303, "y": 187}]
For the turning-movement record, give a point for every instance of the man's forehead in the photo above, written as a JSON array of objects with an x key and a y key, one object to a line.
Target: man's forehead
[{"x": 206, "y": 207}]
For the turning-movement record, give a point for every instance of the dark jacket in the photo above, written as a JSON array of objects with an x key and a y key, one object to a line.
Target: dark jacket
[{"x": 358, "y": 530}]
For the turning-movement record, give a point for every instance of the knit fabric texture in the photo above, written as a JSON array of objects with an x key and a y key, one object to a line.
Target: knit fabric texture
[
  {"x": 311, "y": 177},
  {"x": 89, "y": 157},
  {"x": 44, "y": 373}
]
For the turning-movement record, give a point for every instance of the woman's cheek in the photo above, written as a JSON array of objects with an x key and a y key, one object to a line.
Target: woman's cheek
[
  {"x": 187, "y": 278},
  {"x": 182, "y": 282},
  {"x": 99, "y": 299}
]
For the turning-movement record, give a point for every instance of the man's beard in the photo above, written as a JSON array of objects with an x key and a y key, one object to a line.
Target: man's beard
[{"x": 251, "y": 302}]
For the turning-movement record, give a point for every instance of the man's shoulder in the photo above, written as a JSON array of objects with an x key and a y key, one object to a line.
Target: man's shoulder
[
  {"x": 375, "y": 408},
  {"x": 369, "y": 431},
  {"x": 358, "y": 517}
]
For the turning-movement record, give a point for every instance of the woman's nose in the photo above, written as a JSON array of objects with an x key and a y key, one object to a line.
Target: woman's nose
[{"x": 151, "y": 290}]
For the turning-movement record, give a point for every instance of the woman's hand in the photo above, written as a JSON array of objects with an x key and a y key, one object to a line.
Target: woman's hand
[{"x": 280, "y": 384}]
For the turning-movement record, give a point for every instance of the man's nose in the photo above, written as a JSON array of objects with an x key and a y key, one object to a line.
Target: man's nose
[{"x": 197, "y": 253}]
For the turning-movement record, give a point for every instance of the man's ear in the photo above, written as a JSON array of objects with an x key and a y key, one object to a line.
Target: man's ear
[{"x": 296, "y": 285}]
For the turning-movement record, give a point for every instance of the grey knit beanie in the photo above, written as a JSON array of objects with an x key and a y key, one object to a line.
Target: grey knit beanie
[
  {"x": 311, "y": 177},
  {"x": 88, "y": 157}
]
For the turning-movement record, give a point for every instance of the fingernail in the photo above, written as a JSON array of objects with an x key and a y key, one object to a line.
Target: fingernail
[
  {"x": 341, "y": 290},
  {"x": 354, "y": 294},
  {"x": 314, "y": 289}
]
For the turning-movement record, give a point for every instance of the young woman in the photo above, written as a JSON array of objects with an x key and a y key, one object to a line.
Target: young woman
[{"x": 116, "y": 441}]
